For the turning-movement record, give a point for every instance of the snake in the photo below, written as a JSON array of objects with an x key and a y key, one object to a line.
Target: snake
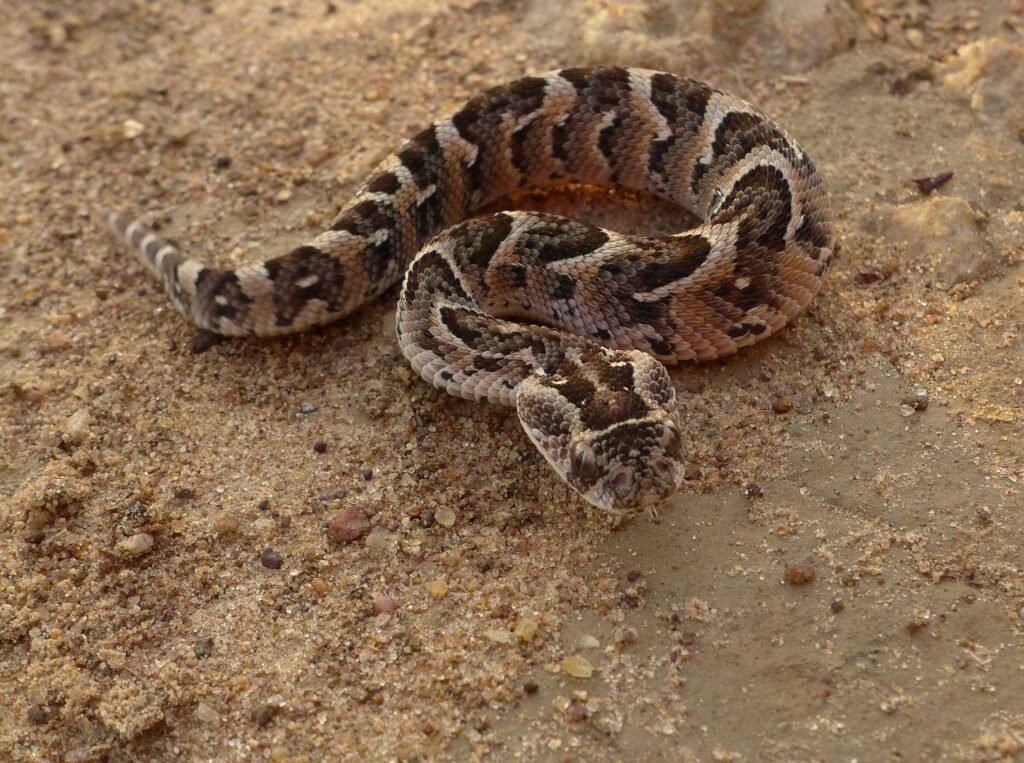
[{"x": 570, "y": 323}]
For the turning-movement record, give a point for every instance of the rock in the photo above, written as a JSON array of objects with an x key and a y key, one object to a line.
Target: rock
[
  {"x": 225, "y": 523},
  {"x": 203, "y": 648},
  {"x": 436, "y": 588},
  {"x": 445, "y": 517},
  {"x": 917, "y": 401},
  {"x": 625, "y": 636},
  {"x": 383, "y": 603},
  {"x": 499, "y": 635},
  {"x": 784, "y": 36},
  {"x": 270, "y": 559},
  {"x": 526, "y": 630},
  {"x": 940, "y": 232},
  {"x": 38, "y": 715},
  {"x": 379, "y": 539},
  {"x": 348, "y": 525},
  {"x": 598, "y": 32},
  {"x": 578, "y": 667},
  {"x": 76, "y": 430},
  {"x": 799, "y": 574},
  {"x": 37, "y": 519},
  {"x": 132, "y": 128},
  {"x": 206, "y": 713},
  {"x": 989, "y": 74},
  {"x": 136, "y": 545},
  {"x": 263, "y": 714}
]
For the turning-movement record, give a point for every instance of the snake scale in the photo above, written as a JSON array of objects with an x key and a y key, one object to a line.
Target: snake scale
[{"x": 568, "y": 322}]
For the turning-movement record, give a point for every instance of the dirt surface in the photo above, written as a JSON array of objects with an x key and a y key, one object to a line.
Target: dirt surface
[{"x": 292, "y": 550}]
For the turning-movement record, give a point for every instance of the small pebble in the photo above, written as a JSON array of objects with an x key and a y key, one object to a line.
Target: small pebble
[
  {"x": 526, "y": 630},
  {"x": 625, "y": 636},
  {"x": 837, "y": 606},
  {"x": 34, "y": 537},
  {"x": 320, "y": 446},
  {"x": 367, "y": 474},
  {"x": 136, "y": 545},
  {"x": 918, "y": 622},
  {"x": 264, "y": 504},
  {"x": 799, "y": 574},
  {"x": 917, "y": 401},
  {"x": 348, "y": 525},
  {"x": 577, "y": 712},
  {"x": 915, "y": 37},
  {"x": 378, "y": 539},
  {"x": 499, "y": 635},
  {"x": 445, "y": 517},
  {"x": 782, "y": 404},
  {"x": 76, "y": 430},
  {"x": 270, "y": 559},
  {"x": 383, "y": 603},
  {"x": 38, "y": 715},
  {"x": 633, "y": 575},
  {"x": 334, "y": 494},
  {"x": 222, "y": 162},
  {"x": 37, "y": 519},
  {"x": 589, "y": 642},
  {"x": 928, "y": 184},
  {"x": 206, "y": 714},
  {"x": 306, "y": 407},
  {"x": 578, "y": 667},
  {"x": 203, "y": 648},
  {"x": 203, "y": 341},
  {"x": 753, "y": 490},
  {"x": 225, "y": 523},
  {"x": 531, "y": 687},
  {"x": 436, "y": 588},
  {"x": 264, "y": 714},
  {"x": 132, "y": 128}
]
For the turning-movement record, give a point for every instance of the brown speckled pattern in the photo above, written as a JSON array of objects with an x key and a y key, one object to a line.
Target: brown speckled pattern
[{"x": 554, "y": 316}]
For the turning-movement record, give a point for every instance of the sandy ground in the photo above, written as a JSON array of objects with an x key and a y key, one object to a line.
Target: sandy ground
[{"x": 841, "y": 578}]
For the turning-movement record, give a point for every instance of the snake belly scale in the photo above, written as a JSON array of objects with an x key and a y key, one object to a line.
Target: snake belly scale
[{"x": 568, "y": 322}]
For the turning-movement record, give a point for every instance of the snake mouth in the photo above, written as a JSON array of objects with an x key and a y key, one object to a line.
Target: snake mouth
[{"x": 627, "y": 489}]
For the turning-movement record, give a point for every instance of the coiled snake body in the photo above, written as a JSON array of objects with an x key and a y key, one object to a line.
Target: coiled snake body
[{"x": 566, "y": 321}]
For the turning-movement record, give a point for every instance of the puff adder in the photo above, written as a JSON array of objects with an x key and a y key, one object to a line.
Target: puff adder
[{"x": 568, "y": 322}]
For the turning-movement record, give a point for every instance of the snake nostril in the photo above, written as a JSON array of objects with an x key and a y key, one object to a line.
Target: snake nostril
[{"x": 622, "y": 484}]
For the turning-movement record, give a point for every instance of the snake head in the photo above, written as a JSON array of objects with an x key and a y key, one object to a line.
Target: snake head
[{"x": 606, "y": 422}]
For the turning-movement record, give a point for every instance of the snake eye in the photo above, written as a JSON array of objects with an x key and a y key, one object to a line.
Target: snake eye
[{"x": 584, "y": 462}]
